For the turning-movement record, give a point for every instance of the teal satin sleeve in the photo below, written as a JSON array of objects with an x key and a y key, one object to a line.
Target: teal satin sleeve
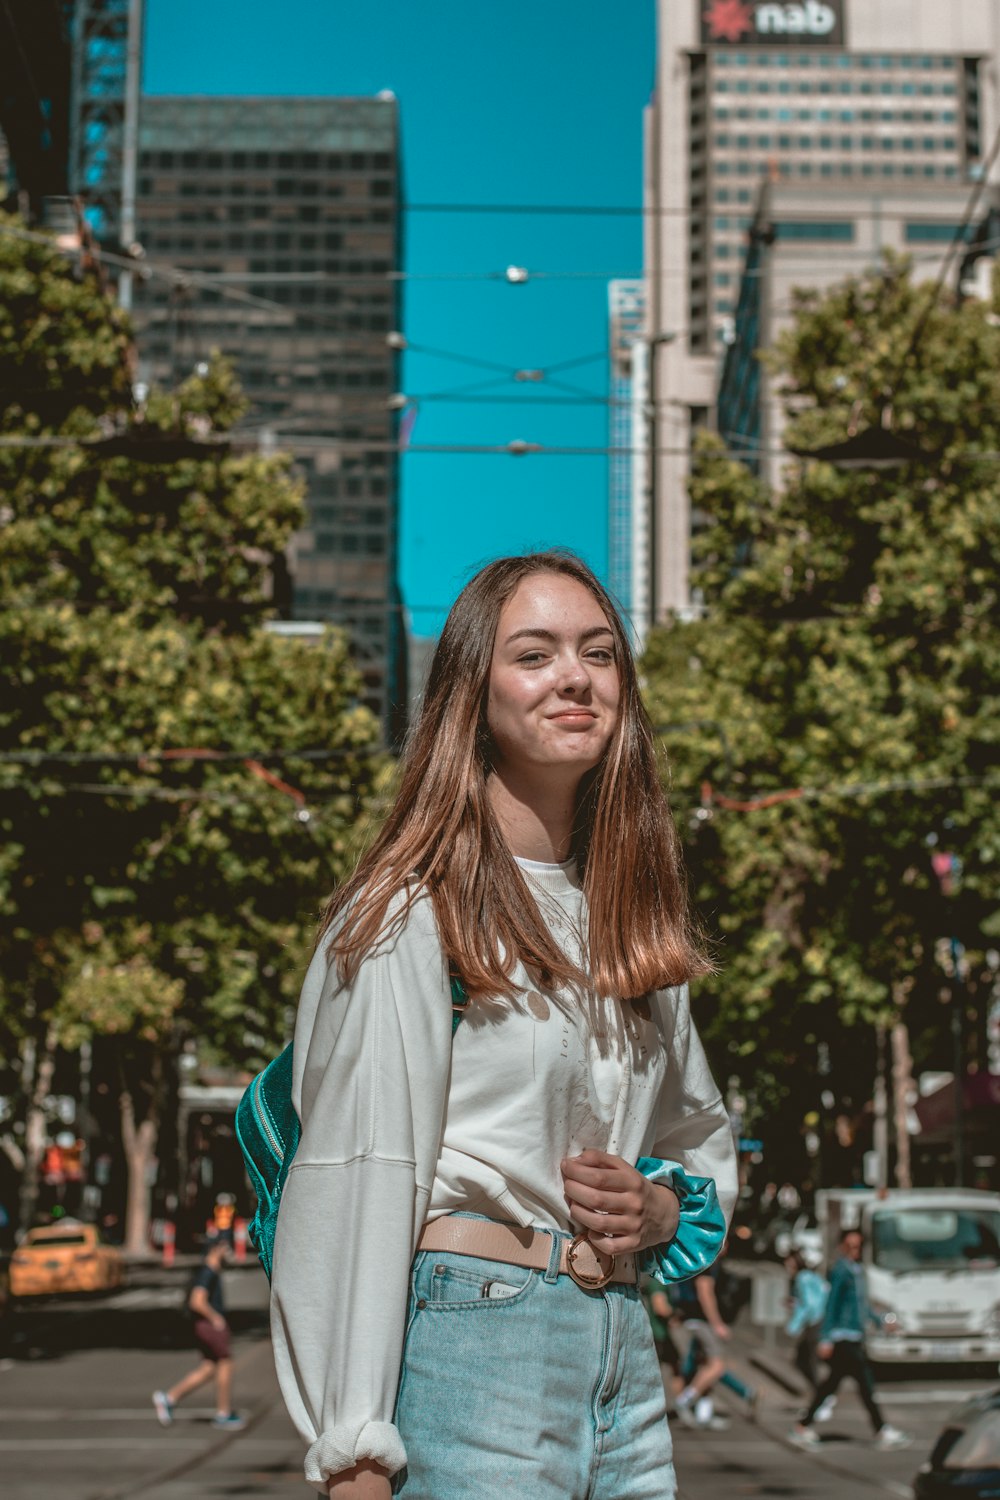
[{"x": 701, "y": 1227}]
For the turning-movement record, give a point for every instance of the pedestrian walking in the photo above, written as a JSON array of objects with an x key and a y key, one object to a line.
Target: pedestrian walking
[
  {"x": 705, "y": 1365},
  {"x": 808, "y": 1291},
  {"x": 455, "y": 1307},
  {"x": 661, "y": 1319},
  {"x": 842, "y": 1343},
  {"x": 207, "y": 1307}
]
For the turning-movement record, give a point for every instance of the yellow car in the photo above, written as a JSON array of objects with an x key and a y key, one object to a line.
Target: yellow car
[{"x": 64, "y": 1257}]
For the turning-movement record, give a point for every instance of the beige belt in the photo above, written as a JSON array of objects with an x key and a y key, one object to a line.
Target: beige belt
[{"x": 489, "y": 1240}]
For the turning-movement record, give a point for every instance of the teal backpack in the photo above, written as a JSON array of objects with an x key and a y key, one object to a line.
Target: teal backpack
[{"x": 268, "y": 1130}]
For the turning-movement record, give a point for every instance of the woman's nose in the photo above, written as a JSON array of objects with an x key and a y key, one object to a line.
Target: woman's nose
[{"x": 575, "y": 677}]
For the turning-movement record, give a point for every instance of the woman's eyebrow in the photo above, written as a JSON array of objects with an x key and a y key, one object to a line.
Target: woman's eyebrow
[{"x": 548, "y": 635}]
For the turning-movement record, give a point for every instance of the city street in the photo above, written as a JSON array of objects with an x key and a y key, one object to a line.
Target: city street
[{"x": 76, "y": 1419}]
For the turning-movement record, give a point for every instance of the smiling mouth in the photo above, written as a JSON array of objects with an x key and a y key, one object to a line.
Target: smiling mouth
[{"x": 575, "y": 715}]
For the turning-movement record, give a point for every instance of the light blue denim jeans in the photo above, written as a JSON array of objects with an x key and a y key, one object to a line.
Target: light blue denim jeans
[{"x": 518, "y": 1382}]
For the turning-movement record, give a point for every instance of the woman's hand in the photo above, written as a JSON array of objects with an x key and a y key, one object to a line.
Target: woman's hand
[
  {"x": 366, "y": 1481},
  {"x": 620, "y": 1209}
]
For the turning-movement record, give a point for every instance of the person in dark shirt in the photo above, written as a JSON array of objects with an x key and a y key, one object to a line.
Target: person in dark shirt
[{"x": 211, "y": 1334}]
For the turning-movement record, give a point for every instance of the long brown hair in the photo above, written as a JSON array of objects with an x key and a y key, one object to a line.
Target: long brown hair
[{"x": 442, "y": 836}]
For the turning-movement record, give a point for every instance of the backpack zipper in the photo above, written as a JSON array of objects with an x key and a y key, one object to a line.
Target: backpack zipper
[{"x": 265, "y": 1124}]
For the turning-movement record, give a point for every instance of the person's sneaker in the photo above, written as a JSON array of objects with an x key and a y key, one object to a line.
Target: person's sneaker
[
  {"x": 825, "y": 1412},
  {"x": 804, "y": 1437},
  {"x": 891, "y": 1437},
  {"x": 686, "y": 1414},
  {"x": 715, "y": 1423},
  {"x": 231, "y": 1420},
  {"x": 164, "y": 1408}
]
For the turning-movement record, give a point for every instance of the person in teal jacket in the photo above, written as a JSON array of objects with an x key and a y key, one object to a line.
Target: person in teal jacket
[
  {"x": 842, "y": 1343},
  {"x": 809, "y": 1291}
]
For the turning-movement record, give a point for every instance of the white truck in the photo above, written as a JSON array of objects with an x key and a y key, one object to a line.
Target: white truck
[{"x": 932, "y": 1268}]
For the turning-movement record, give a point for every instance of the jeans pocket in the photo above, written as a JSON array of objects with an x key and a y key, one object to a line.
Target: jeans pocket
[{"x": 452, "y": 1282}]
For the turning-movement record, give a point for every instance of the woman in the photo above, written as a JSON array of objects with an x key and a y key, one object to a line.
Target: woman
[{"x": 455, "y": 1308}]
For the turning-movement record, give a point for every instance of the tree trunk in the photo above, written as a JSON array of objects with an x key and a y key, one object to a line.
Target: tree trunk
[
  {"x": 37, "y": 1073},
  {"x": 902, "y": 1089},
  {"x": 139, "y": 1140}
]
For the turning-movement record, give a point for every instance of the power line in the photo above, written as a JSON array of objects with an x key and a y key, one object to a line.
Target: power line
[
  {"x": 142, "y": 758},
  {"x": 516, "y": 448},
  {"x": 710, "y": 801},
  {"x": 760, "y": 802}
]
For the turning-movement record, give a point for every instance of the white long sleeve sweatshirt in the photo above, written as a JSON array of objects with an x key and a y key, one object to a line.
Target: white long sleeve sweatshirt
[{"x": 400, "y": 1125}]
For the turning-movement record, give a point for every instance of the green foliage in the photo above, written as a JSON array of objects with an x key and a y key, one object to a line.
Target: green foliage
[
  {"x": 174, "y": 896},
  {"x": 847, "y": 675}
]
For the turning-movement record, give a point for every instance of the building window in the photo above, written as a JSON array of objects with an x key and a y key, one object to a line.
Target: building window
[
  {"x": 930, "y": 233},
  {"x": 839, "y": 230}
]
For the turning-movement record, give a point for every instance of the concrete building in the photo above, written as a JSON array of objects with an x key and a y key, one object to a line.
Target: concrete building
[
  {"x": 799, "y": 237},
  {"x": 286, "y": 213},
  {"x": 902, "y": 95}
]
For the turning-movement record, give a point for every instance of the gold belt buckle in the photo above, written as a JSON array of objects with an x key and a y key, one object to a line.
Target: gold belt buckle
[{"x": 589, "y": 1280}]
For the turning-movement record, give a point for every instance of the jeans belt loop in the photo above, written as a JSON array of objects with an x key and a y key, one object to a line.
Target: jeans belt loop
[{"x": 555, "y": 1256}]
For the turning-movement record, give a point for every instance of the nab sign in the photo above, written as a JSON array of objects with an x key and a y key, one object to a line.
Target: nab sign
[{"x": 740, "y": 23}]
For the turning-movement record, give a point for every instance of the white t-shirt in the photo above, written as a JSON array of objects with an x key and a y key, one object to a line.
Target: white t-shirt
[{"x": 401, "y": 1124}]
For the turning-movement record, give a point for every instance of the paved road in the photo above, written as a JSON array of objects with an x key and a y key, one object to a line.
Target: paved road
[
  {"x": 76, "y": 1419},
  {"x": 756, "y": 1458}
]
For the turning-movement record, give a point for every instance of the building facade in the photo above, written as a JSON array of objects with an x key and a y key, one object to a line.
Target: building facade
[
  {"x": 799, "y": 238},
  {"x": 285, "y": 214},
  {"x": 843, "y": 96}
]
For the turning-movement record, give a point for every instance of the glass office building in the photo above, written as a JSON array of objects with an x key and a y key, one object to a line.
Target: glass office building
[
  {"x": 628, "y": 460},
  {"x": 286, "y": 212}
]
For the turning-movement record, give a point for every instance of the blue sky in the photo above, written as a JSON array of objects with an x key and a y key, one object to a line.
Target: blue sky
[{"x": 525, "y": 102}]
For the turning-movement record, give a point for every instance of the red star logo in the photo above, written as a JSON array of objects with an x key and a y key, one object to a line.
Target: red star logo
[{"x": 728, "y": 20}]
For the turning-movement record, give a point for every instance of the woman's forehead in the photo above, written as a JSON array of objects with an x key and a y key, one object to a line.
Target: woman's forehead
[{"x": 552, "y": 602}]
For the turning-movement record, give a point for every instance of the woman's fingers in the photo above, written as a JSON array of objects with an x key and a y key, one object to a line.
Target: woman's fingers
[
  {"x": 599, "y": 1170},
  {"x": 603, "y": 1199}
]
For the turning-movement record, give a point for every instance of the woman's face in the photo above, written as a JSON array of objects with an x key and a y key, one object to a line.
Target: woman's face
[{"x": 554, "y": 683}]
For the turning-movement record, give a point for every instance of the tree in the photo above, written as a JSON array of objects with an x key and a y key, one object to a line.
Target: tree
[
  {"x": 845, "y": 680},
  {"x": 152, "y": 892}
]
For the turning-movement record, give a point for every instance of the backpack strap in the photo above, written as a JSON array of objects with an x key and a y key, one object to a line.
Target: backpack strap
[{"x": 459, "y": 1001}]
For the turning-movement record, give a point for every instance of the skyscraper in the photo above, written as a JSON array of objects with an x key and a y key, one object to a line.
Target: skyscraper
[
  {"x": 285, "y": 212},
  {"x": 628, "y": 461},
  {"x": 838, "y": 94}
]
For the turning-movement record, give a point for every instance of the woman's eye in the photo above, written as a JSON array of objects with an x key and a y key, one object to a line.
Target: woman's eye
[
  {"x": 604, "y": 657},
  {"x": 530, "y": 659}
]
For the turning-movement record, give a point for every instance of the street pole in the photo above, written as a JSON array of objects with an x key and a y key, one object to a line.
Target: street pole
[
  {"x": 880, "y": 1133},
  {"x": 958, "y": 1058},
  {"x": 130, "y": 145},
  {"x": 85, "y": 1130}
]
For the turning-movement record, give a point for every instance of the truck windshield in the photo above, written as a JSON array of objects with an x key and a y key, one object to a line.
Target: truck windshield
[{"x": 936, "y": 1239}]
